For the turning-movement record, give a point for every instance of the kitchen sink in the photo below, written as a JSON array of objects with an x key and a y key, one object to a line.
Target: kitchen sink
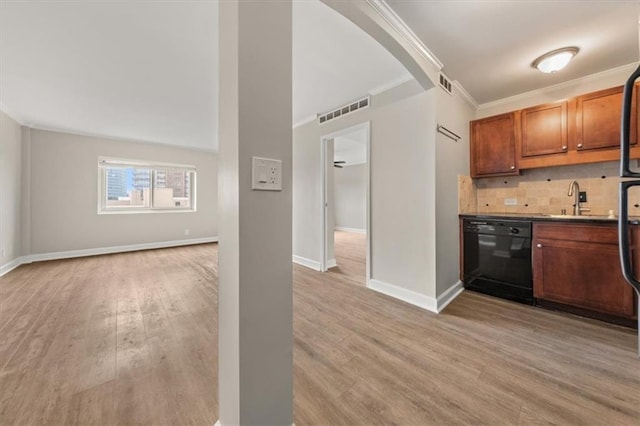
[{"x": 584, "y": 216}]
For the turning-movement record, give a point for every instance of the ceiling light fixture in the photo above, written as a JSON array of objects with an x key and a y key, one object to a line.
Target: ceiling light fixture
[{"x": 555, "y": 60}]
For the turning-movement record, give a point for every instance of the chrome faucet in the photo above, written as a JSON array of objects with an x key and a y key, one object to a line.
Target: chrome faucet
[{"x": 574, "y": 189}]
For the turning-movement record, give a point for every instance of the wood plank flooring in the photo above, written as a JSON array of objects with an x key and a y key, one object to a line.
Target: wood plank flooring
[
  {"x": 350, "y": 253},
  {"x": 132, "y": 339}
]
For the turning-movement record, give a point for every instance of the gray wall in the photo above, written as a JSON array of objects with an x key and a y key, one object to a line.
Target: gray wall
[
  {"x": 255, "y": 316},
  {"x": 64, "y": 184},
  {"x": 350, "y": 197},
  {"x": 10, "y": 189}
]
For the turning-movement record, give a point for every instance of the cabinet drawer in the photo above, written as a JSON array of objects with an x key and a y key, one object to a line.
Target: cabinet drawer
[{"x": 605, "y": 234}]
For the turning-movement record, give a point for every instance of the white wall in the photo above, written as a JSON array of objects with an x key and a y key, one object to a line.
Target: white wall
[
  {"x": 307, "y": 166},
  {"x": 414, "y": 191},
  {"x": 63, "y": 204},
  {"x": 402, "y": 134},
  {"x": 350, "y": 197},
  {"x": 10, "y": 190},
  {"x": 330, "y": 207},
  {"x": 402, "y": 176},
  {"x": 452, "y": 160}
]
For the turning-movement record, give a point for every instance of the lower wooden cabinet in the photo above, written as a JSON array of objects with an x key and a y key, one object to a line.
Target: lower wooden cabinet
[{"x": 578, "y": 265}]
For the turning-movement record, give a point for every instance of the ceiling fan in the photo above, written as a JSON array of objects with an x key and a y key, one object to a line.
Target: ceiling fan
[{"x": 339, "y": 164}]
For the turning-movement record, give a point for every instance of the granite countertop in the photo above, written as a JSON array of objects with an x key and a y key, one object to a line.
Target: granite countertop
[{"x": 548, "y": 217}]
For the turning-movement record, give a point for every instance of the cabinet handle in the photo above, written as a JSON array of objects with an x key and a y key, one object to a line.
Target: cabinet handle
[
  {"x": 513, "y": 167},
  {"x": 580, "y": 145},
  {"x": 539, "y": 245},
  {"x": 564, "y": 147}
]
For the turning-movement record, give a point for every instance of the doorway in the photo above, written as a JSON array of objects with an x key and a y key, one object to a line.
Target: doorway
[{"x": 346, "y": 171}]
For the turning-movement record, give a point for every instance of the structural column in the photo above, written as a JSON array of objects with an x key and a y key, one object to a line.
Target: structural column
[{"x": 255, "y": 343}]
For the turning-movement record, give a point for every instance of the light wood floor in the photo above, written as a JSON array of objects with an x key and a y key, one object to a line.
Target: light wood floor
[
  {"x": 132, "y": 339},
  {"x": 350, "y": 252}
]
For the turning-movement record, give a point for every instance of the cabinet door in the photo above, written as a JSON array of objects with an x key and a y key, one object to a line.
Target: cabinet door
[
  {"x": 582, "y": 274},
  {"x": 635, "y": 113},
  {"x": 493, "y": 146},
  {"x": 544, "y": 129},
  {"x": 598, "y": 116}
]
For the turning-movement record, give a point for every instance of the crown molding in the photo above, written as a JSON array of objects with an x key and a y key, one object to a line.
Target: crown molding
[
  {"x": 629, "y": 68},
  {"x": 465, "y": 95},
  {"x": 392, "y": 18}
]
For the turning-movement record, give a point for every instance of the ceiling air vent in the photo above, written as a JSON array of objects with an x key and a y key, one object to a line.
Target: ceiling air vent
[
  {"x": 445, "y": 83},
  {"x": 344, "y": 110}
]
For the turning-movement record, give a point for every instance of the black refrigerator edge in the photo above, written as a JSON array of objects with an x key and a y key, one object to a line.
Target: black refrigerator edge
[{"x": 625, "y": 185}]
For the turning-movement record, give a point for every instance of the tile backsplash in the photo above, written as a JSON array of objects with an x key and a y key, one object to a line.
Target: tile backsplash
[{"x": 545, "y": 191}]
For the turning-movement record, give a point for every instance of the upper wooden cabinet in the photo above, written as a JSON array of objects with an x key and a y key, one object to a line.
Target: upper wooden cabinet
[
  {"x": 580, "y": 130},
  {"x": 493, "y": 146},
  {"x": 597, "y": 120},
  {"x": 544, "y": 130}
]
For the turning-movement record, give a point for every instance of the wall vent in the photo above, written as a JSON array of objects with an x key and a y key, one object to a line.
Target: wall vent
[
  {"x": 445, "y": 83},
  {"x": 344, "y": 110}
]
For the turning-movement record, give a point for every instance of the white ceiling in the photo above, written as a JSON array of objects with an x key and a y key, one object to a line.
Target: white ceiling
[
  {"x": 136, "y": 70},
  {"x": 334, "y": 62},
  {"x": 351, "y": 148},
  {"x": 148, "y": 70},
  {"x": 488, "y": 46}
]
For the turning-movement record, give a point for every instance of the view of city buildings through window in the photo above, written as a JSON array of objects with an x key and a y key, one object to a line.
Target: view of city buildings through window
[{"x": 134, "y": 186}]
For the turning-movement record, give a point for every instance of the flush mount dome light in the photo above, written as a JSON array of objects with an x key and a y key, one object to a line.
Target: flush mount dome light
[{"x": 555, "y": 60}]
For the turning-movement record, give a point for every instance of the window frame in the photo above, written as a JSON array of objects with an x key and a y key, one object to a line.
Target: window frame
[{"x": 105, "y": 162}]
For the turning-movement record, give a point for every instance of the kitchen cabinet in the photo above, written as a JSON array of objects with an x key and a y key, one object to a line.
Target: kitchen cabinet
[
  {"x": 544, "y": 130},
  {"x": 597, "y": 120},
  {"x": 580, "y": 130},
  {"x": 493, "y": 146},
  {"x": 578, "y": 265}
]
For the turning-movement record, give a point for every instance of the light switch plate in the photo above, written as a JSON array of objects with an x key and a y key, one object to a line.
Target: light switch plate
[{"x": 266, "y": 174}]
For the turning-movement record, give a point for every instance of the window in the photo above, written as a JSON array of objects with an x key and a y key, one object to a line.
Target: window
[{"x": 128, "y": 186}]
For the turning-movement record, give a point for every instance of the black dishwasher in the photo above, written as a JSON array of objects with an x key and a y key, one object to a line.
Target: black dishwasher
[{"x": 497, "y": 258}]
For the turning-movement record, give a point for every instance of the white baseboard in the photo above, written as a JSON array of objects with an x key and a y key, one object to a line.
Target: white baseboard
[
  {"x": 356, "y": 230},
  {"x": 409, "y": 296},
  {"x": 331, "y": 263},
  {"x": 105, "y": 250},
  {"x": 312, "y": 264},
  {"x": 8, "y": 267},
  {"x": 451, "y": 293}
]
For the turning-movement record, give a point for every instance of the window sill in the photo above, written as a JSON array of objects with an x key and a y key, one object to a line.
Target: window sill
[{"x": 149, "y": 211}]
